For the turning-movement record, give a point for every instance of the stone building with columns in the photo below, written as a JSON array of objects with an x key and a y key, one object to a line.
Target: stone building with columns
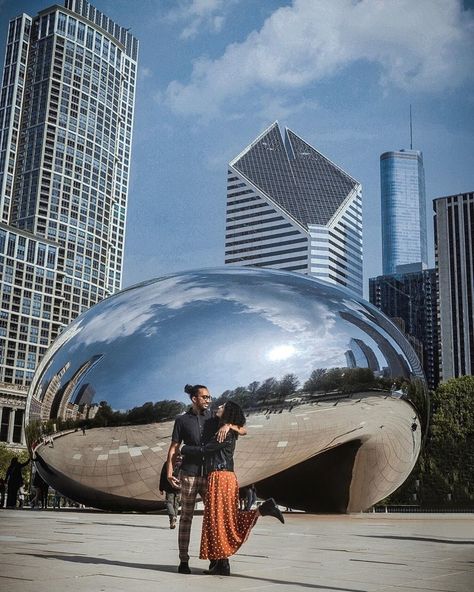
[{"x": 12, "y": 411}]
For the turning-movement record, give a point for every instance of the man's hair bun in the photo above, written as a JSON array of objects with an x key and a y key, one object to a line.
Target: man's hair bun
[{"x": 193, "y": 390}]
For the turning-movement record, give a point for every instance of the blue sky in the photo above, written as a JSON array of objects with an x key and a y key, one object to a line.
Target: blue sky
[{"x": 213, "y": 74}]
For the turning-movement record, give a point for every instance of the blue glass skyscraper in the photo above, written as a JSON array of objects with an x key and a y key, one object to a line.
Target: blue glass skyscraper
[{"x": 402, "y": 180}]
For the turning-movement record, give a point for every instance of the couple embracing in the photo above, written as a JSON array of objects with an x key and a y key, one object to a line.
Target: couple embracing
[{"x": 207, "y": 470}]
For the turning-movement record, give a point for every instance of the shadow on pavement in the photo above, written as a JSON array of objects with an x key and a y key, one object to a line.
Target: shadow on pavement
[
  {"x": 172, "y": 569},
  {"x": 101, "y": 561},
  {"x": 132, "y": 525},
  {"x": 415, "y": 538}
]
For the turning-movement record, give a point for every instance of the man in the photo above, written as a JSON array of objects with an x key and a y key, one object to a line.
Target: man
[
  {"x": 251, "y": 497},
  {"x": 37, "y": 486},
  {"x": 194, "y": 428}
]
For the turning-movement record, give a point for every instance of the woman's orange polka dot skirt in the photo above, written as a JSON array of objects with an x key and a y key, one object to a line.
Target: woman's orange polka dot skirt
[{"x": 225, "y": 528}]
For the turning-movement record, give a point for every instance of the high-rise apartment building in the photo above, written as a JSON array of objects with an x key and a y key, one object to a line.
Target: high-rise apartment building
[
  {"x": 66, "y": 115},
  {"x": 402, "y": 181},
  {"x": 454, "y": 250},
  {"x": 291, "y": 208},
  {"x": 410, "y": 300}
]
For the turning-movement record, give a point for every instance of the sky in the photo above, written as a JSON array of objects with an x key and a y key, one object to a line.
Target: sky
[{"x": 213, "y": 74}]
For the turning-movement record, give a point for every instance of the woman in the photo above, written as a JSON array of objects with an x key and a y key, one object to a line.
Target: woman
[
  {"x": 14, "y": 478},
  {"x": 225, "y": 527}
]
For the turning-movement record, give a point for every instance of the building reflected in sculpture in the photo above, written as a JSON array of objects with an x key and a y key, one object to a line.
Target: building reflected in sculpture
[{"x": 315, "y": 367}]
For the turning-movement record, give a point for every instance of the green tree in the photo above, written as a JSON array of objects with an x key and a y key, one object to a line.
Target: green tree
[
  {"x": 106, "y": 416},
  {"x": 142, "y": 414},
  {"x": 267, "y": 389},
  {"x": 444, "y": 473},
  {"x": 167, "y": 409},
  {"x": 332, "y": 379},
  {"x": 6, "y": 455},
  {"x": 287, "y": 385},
  {"x": 449, "y": 459},
  {"x": 241, "y": 396},
  {"x": 253, "y": 388},
  {"x": 313, "y": 384}
]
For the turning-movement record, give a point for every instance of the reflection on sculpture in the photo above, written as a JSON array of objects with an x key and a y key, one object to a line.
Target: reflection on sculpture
[{"x": 330, "y": 385}]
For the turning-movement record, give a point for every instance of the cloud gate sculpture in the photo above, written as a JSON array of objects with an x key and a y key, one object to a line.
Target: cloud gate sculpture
[{"x": 334, "y": 394}]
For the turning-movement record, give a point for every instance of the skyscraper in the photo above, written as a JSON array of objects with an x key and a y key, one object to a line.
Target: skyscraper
[
  {"x": 410, "y": 300},
  {"x": 291, "y": 208},
  {"x": 66, "y": 115},
  {"x": 454, "y": 249},
  {"x": 402, "y": 181}
]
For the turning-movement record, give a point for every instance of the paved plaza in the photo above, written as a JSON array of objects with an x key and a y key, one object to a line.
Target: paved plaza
[{"x": 92, "y": 551}]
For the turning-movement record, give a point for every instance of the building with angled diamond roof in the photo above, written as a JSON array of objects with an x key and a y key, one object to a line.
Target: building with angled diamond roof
[{"x": 291, "y": 208}]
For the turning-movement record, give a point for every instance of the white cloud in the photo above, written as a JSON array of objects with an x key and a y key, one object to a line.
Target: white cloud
[
  {"x": 425, "y": 45},
  {"x": 273, "y": 107},
  {"x": 145, "y": 72},
  {"x": 199, "y": 15}
]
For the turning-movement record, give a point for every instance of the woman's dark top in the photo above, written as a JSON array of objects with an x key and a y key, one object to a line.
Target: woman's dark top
[
  {"x": 14, "y": 475},
  {"x": 218, "y": 456}
]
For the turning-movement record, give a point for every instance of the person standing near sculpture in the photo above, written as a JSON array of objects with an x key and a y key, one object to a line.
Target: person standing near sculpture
[
  {"x": 14, "y": 480},
  {"x": 37, "y": 485},
  {"x": 251, "y": 496},
  {"x": 193, "y": 428},
  {"x": 225, "y": 527},
  {"x": 2, "y": 491},
  {"x": 172, "y": 493}
]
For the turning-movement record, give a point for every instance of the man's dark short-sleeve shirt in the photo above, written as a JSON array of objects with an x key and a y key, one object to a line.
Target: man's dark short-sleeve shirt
[{"x": 193, "y": 430}]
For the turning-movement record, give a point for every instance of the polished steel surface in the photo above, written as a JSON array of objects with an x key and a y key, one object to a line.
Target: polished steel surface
[{"x": 118, "y": 372}]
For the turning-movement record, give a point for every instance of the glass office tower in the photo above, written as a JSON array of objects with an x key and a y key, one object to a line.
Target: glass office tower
[
  {"x": 402, "y": 181},
  {"x": 410, "y": 300},
  {"x": 66, "y": 115},
  {"x": 291, "y": 208}
]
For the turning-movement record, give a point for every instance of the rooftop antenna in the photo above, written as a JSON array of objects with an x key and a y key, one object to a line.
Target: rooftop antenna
[{"x": 411, "y": 131}]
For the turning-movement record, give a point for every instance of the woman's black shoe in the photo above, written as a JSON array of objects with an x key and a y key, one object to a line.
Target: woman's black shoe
[
  {"x": 221, "y": 568},
  {"x": 224, "y": 569},
  {"x": 269, "y": 508},
  {"x": 212, "y": 564}
]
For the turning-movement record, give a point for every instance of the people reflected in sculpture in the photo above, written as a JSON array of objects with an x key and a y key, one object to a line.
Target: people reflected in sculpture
[
  {"x": 194, "y": 429},
  {"x": 225, "y": 527}
]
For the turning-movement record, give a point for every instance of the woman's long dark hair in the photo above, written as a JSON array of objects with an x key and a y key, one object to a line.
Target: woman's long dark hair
[{"x": 233, "y": 414}]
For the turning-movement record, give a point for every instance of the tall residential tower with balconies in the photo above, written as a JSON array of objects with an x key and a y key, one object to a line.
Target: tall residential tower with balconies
[{"x": 66, "y": 115}]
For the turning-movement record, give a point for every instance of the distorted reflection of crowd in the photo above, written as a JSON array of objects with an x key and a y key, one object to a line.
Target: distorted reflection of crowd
[{"x": 34, "y": 494}]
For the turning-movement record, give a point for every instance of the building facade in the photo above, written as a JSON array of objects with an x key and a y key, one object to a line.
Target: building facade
[
  {"x": 410, "y": 300},
  {"x": 66, "y": 115},
  {"x": 291, "y": 208},
  {"x": 402, "y": 183},
  {"x": 454, "y": 251}
]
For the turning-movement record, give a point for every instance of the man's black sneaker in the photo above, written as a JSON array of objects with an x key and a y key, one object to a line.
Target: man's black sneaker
[{"x": 183, "y": 568}]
